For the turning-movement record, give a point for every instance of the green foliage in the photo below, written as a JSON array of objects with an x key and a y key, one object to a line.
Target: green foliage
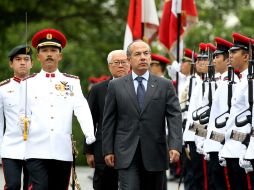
[
  {"x": 213, "y": 18},
  {"x": 95, "y": 27}
]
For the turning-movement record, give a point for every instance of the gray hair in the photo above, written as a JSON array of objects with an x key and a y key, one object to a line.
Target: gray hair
[
  {"x": 110, "y": 55},
  {"x": 129, "y": 47}
]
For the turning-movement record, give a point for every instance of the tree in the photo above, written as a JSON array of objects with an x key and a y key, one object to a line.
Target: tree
[{"x": 95, "y": 27}]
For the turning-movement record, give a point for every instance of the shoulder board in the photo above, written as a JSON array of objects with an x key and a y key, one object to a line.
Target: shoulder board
[
  {"x": 70, "y": 76},
  {"x": 5, "y": 82},
  {"x": 30, "y": 76}
]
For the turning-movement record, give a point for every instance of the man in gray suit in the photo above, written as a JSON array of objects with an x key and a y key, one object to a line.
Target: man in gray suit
[{"x": 133, "y": 132}]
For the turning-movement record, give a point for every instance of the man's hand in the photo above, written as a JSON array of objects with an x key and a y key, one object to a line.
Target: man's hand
[
  {"x": 174, "y": 156},
  {"x": 110, "y": 160},
  {"x": 90, "y": 160}
]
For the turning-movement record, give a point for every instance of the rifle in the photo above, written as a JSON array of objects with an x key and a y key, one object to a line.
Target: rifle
[
  {"x": 230, "y": 92},
  {"x": 203, "y": 117}
]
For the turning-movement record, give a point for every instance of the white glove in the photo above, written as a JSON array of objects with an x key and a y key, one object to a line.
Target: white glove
[
  {"x": 248, "y": 169},
  {"x": 172, "y": 69},
  {"x": 90, "y": 139},
  {"x": 245, "y": 164},
  {"x": 199, "y": 141},
  {"x": 21, "y": 123},
  {"x": 222, "y": 161},
  {"x": 206, "y": 156}
]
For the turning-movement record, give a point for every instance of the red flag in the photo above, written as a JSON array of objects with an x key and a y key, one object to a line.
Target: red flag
[
  {"x": 168, "y": 26},
  {"x": 143, "y": 21}
]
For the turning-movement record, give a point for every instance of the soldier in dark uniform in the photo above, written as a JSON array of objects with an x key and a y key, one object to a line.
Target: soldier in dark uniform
[{"x": 105, "y": 177}]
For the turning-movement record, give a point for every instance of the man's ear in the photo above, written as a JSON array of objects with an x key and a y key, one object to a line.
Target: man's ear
[
  {"x": 10, "y": 64},
  {"x": 60, "y": 56},
  {"x": 246, "y": 57},
  {"x": 32, "y": 63}
]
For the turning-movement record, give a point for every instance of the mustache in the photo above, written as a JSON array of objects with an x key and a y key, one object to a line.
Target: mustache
[{"x": 49, "y": 59}]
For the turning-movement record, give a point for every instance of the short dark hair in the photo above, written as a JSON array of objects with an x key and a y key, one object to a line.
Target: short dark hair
[{"x": 128, "y": 52}]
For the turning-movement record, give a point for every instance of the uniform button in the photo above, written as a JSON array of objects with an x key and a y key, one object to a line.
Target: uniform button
[
  {"x": 51, "y": 92},
  {"x": 52, "y": 129},
  {"x": 51, "y": 105},
  {"x": 51, "y": 117}
]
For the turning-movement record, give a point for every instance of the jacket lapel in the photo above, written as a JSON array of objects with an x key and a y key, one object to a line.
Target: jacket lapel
[
  {"x": 151, "y": 87},
  {"x": 129, "y": 85}
]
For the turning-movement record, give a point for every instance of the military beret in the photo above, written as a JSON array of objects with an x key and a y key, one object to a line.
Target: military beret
[
  {"x": 20, "y": 49},
  {"x": 222, "y": 45},
  {"x": 240, "y": 42},
  {"x": 188, "y": 55},
  {"x": 202, "y": 50},
  {"x": 159, "y": 59},
  {"x": 49, "y": 37},
  {"x": 210, "y": 47}
]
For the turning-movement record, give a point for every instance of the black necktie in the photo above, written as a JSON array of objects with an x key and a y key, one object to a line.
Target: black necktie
[{"x": 140, "y": 92}]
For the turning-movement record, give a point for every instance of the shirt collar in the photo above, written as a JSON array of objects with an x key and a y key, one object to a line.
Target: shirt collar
[{"x": 145, "y": 75}]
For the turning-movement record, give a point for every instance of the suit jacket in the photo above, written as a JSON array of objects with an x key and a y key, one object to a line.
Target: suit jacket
[
  {"x": 124, "y": 125},
  {"x": 96, "y": 101}
]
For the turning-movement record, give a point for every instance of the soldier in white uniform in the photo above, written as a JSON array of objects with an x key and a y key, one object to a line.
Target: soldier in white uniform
[
  {"x": 189, "y": 134},
  {"x": 233, "y": 148},
  {"x": 12, "y": 144},
  {"x": 219, "y": 106},
  {"x": 49, "y": 99},
  {"x": 188, "y": 69}
]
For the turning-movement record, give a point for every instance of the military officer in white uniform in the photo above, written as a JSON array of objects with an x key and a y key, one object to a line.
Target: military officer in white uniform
[
  {"x": 189, "y": 134},
  {"x": 12, "y": 143},
  {"x": 219, "y": 106},
  {"x": 233, "y": 147},
  {"x": 49, "y": 99},
  {"x": 184, "y": 98}
]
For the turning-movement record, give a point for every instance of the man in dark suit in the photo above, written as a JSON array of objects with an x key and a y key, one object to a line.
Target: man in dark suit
[
  {"x": 105, "y": 178},
  {"x": 133, "y": 132}
]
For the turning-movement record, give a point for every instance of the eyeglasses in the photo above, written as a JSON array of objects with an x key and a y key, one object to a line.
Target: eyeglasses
[
  {"x": 145, "y": 53},
  {"x": 117, "y": 63}
]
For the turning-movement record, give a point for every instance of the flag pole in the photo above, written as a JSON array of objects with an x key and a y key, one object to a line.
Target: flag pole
[{"x": 178, "y": 11}]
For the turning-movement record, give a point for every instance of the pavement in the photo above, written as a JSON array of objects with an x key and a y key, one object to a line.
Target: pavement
[{"x": 84, "y": 175}]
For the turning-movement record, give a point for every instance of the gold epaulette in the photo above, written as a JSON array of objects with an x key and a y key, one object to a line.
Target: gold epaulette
[
  {"x": 71, "y": 76},
  {"x": 30, "y": 76},
  {"x": 5, "y": 82}
]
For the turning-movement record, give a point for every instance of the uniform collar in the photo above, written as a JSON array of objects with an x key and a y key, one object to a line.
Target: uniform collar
[
  {"x": 17, "y": 79},
  {"x": 49, "y": 75}
]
